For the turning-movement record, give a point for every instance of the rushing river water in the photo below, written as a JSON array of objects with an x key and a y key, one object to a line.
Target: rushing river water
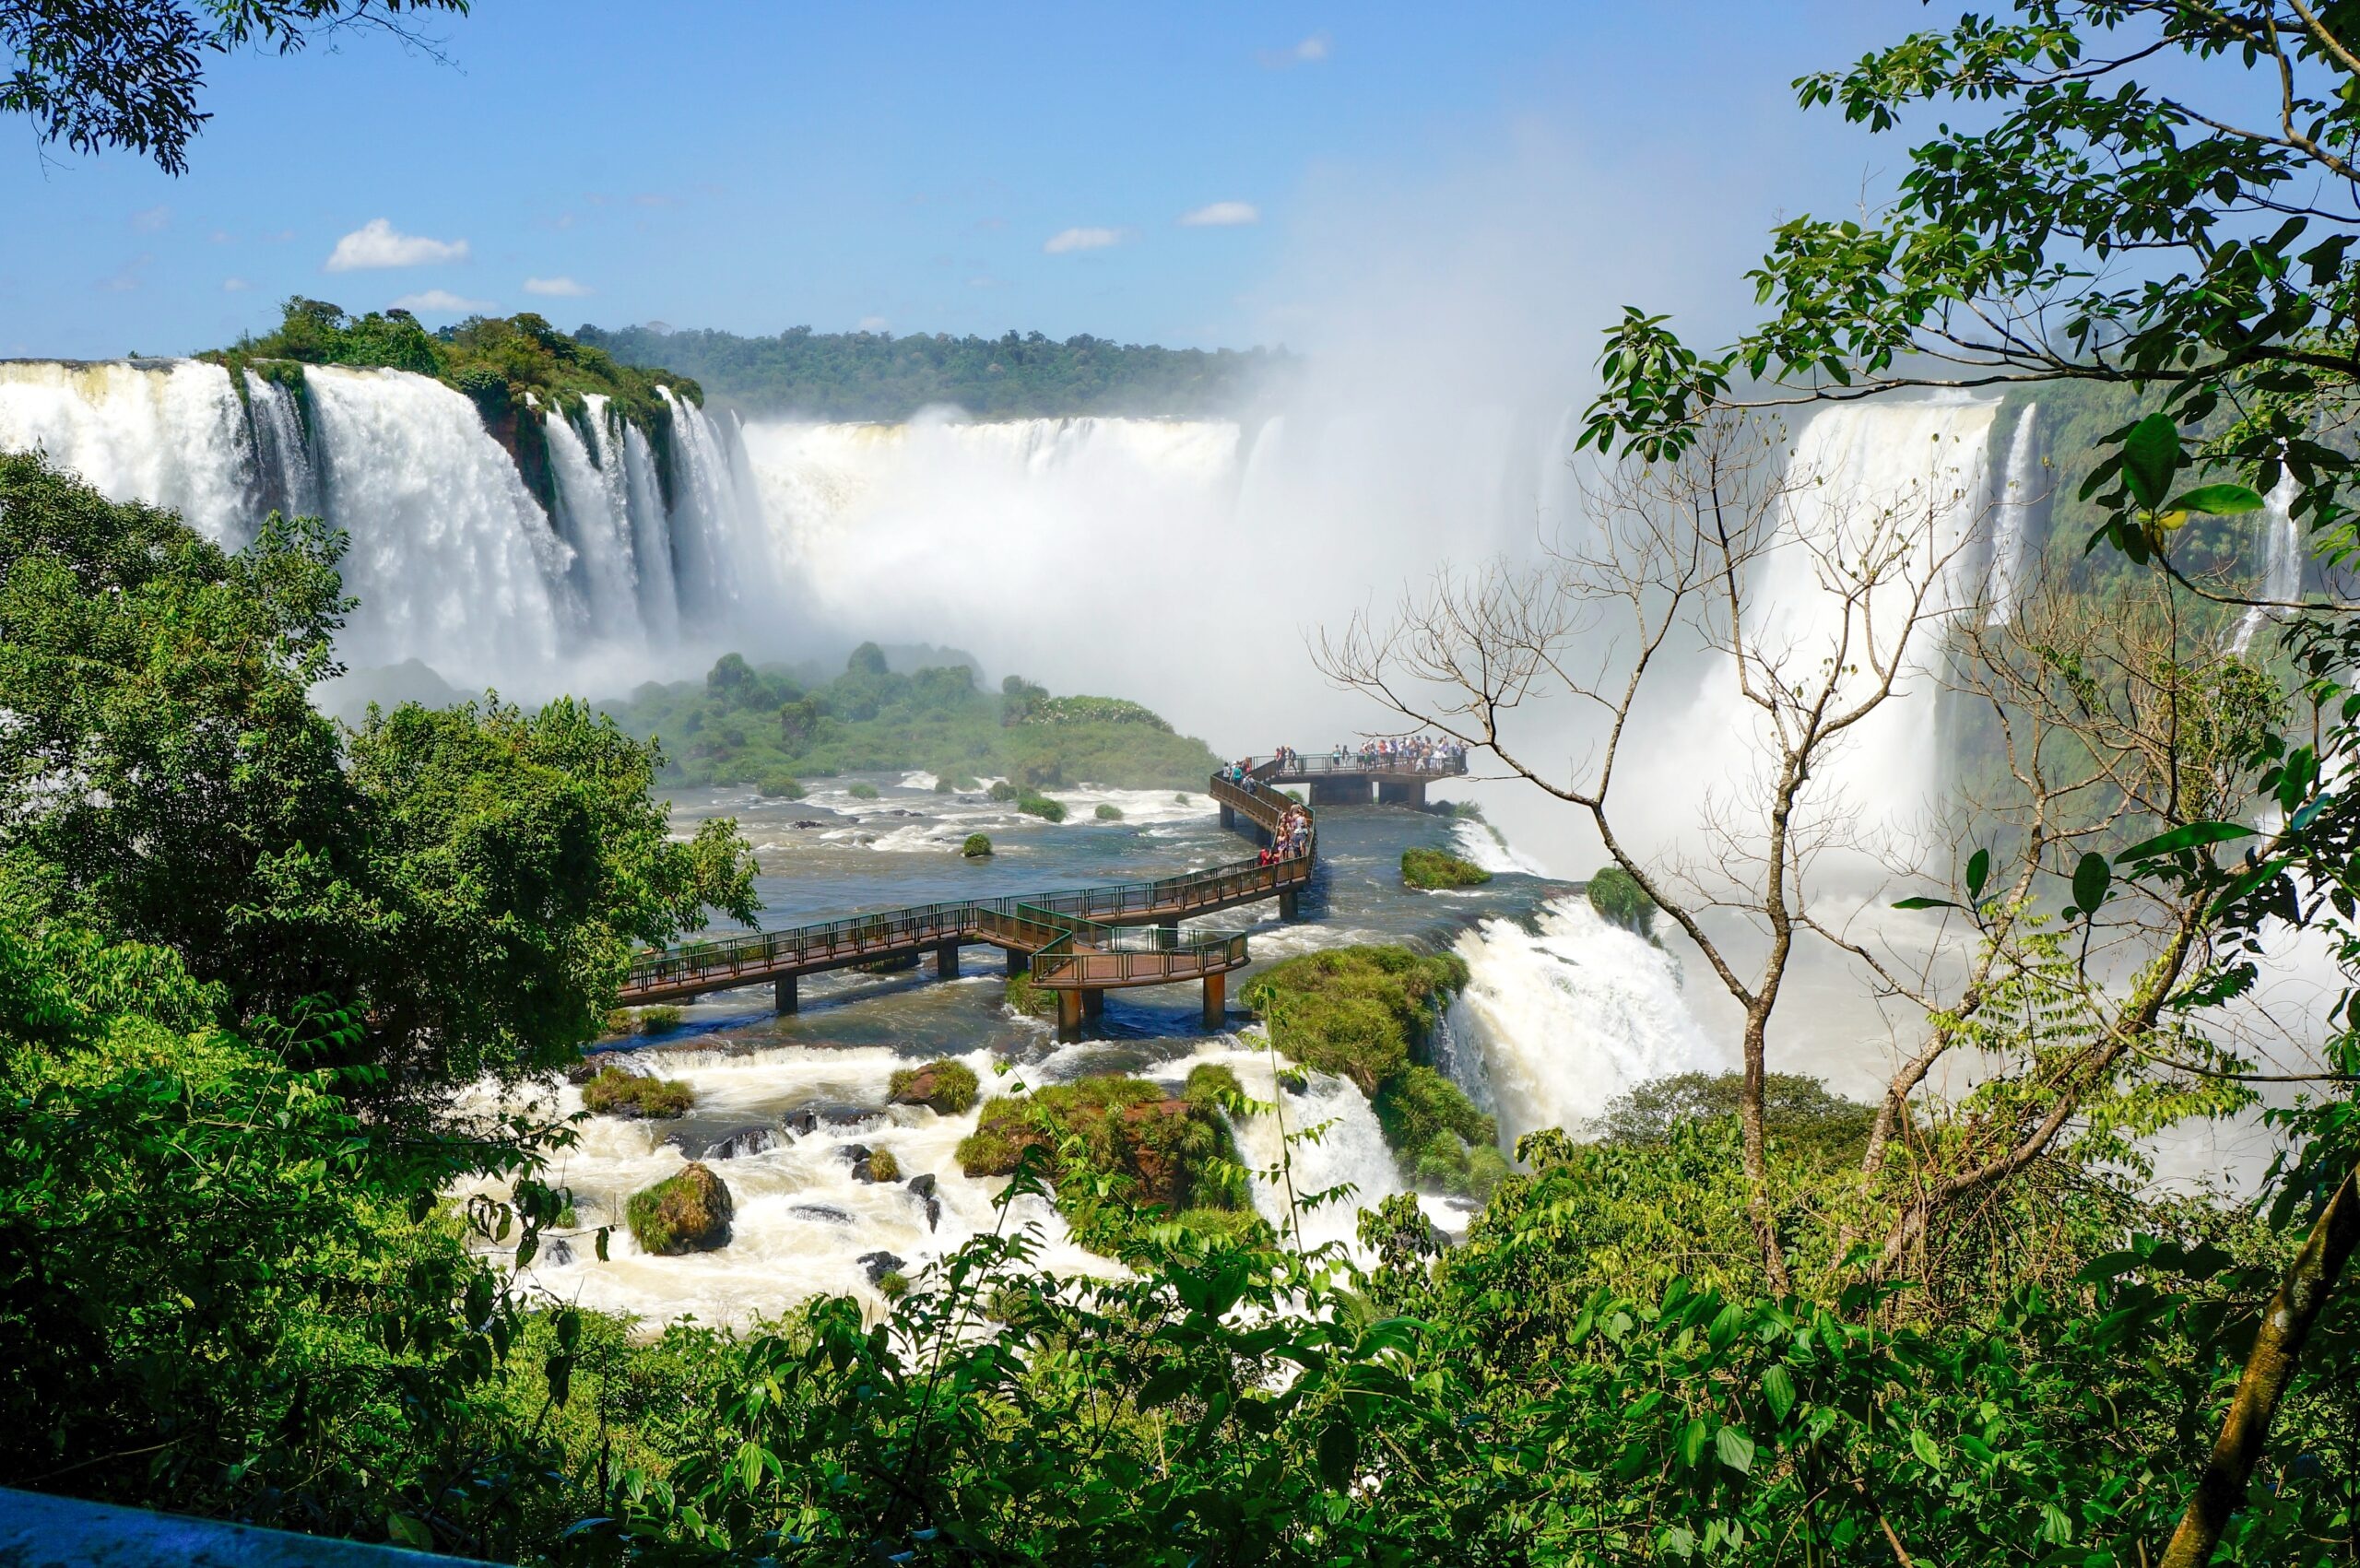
[{"x": 1564, "y": 1013}]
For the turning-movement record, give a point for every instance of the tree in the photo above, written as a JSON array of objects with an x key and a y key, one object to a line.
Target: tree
[
  {"x": 2105, "y": 227},
  {"x": 99, "y": 74},
  {"x": 473, "y": 879}
]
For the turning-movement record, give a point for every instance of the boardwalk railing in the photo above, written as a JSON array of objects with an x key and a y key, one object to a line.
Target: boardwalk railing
[{"x": 1328, "y": 764}]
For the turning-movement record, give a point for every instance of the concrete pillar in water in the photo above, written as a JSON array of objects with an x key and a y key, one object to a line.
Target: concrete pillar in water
[
  {"x": 946, "y": 961},
  {"x": 783, "y": 994},
  {"x": 1068, "y": 1014},
  {"x": 1168, "y": 934},
  {"x": 1015, "y": 961},
  {"x": 1287, "y": 903},
  {"x": 1229, "y": 817},
  {"x": 1408, "y": 792},
  {"x": 1093, "y": 1002},
  {"x": 1216, "y": 1000}
]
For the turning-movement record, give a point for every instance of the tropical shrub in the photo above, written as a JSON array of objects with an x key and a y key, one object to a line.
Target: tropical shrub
[{"x": 1431, "y": 868}]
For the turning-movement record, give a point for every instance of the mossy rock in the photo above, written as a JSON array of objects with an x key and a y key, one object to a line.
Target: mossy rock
[
  {"x": 1002, "y": 790},
  {"x": 661, "y": 1021},
  {"x": 780, "y": 786},
  {"x": 1170, "y": 1156},
  {"x": 879, "y": 1165},
  {"x": 687, "y": 1213},
  {"x": 1035, "y": 804},
  {"x": 1360, "y": 1012},
  {"x": 1107, "y": 812},
  {"x": 862, "y": 791},
  {"x": 1212, "y": 1085},
  {"x": 944, "y": 1086},
  {"x": 615, "y": 1092},
  {"x": 977, "y": 847},
  {"x": 1429, "y": 869},
  {"x": 1033, "y": 1001}
]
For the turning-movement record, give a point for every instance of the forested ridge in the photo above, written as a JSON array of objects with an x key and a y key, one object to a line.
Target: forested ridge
[{"x": 874, "y": 375}]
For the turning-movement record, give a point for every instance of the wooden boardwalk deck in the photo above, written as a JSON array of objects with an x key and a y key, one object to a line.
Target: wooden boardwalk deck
[{"x": 1079, "y": 942}]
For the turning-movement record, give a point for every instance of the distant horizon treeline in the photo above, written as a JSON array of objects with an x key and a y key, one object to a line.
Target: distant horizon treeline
[{"x": 874, "y": 375}]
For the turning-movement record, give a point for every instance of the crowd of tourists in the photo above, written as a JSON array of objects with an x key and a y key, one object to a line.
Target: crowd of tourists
[
  {"x": 1405, "y": 754},
  {"x": 1291, "y": 840}
]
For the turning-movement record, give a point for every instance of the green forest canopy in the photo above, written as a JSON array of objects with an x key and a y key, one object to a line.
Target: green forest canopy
[{"x": 874, "y": 375}]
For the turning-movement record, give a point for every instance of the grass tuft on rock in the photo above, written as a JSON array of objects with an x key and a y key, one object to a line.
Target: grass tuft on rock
[
  {"x": 943, "y": 1086},
  {"x": 615, "y": 1092},
  {"x": 1429, "y": 869},
  {"x": 863, "y": 790},
  {"x": 977, "y": 847},
  {"x": 661, "y": 1021},
  {"x": 686, "y": 1212},
  {"x": 1033, "y": 803},
  {"x": 1617, "y": 897},
  {"x": 780, "y": 786},
  {"x": 1107, "y": 812}
]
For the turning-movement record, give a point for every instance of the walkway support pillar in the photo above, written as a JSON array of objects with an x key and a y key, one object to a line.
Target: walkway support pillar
[
  {"x": 1068, "y": 1014},
  {"x": 1016, "y": 962},
  {"x": 946, "y": 961},
  {"x": 1168, "y": 934},
  {"x": 1228, "y": 817},
  {"x": 783, "y": 994},
  {"x": 1093, "y": 1002},
  {"x": 1216, "y": 1000},
  {"x": 1404, "y": 792},
  {"x": 1287, "y": 903}
]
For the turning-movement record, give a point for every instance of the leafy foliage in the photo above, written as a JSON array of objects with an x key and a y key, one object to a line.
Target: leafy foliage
[
  {"x": 615, "y": 1092},
  {"x": 1431, "y": 868},
  {"x": 1617, "y": 897}
]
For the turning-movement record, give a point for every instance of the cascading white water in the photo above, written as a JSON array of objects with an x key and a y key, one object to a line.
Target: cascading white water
[
  {"x": 454, "y": 562},
  {"x": 2281, "y": 540},
  {"x": 2012, "y": 518},
  {"x": 169, "y": 432},
  {"x": 1571, "y": 1014}
]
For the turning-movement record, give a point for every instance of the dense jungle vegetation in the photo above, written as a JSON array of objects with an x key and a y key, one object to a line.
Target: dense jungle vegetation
[
  {"x": 250, "y": 960},
  {"x": 874, "y": 375},
  {"x": 773, "y": 727}
]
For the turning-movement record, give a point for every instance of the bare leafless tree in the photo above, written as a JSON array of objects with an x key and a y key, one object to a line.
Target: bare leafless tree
[{"x": 2089, "y": 716}]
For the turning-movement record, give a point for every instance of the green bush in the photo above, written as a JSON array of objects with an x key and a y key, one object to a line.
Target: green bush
[
  {"x": 883, "y": 1166},
  {"x": 1212, "y": 1085},
  {"x": 780, "y": 786},
  {"x": 1442, "y": 1139},
  {"x": 977, "y": 847},
  {"x": 942, "y": 784},
  {"x": 1431, "y": 868},
  {"x": 892, "y": 1284},
  {"x": 862, "y": 791},
  {"x": 1041, "y": 806},
  {"x": 615, "y": 1092},
  {"x": 661, "y": 1019},
  {"x": 1033, "y": 1001},
  {"x": 1617, "y": 896},
  {"x": 947, "y": 1087},
  {"x": 1165, "y": 1156},
  {"x": 1108, "y": 812},
  {"x": 1797, "y": 1111},
  {"x": 1002, "y": 790}
]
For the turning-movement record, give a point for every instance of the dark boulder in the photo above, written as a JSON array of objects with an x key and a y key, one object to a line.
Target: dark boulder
[
  {"x": 745, "y": 1141},
  {"x": 687, "y": 1213},
  {"x": 922, "y": 1188},
  {"x": 879, "y": 1265}
]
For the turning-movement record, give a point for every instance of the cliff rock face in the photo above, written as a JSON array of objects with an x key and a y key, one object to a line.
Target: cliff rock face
[{"x": 687, "y": 1212}]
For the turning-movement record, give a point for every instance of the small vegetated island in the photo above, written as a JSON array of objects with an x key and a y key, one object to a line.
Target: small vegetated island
[{"x": 772, "y": 726}]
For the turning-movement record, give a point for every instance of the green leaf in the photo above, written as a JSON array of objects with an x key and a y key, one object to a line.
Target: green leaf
[
  {"x": 1923, "y": 903},
  {"x": 1778, "y": 1391},
  {"x": 2150, "y": 459},
  {"x": 1979, "y": 870},
  {"x": 2188, "y": 837},
  {"x": 2091, "y": 876},
  {"x": 2218, "y": 501},
  {"x": 1923, "y": 1446},
  {"x": 410, "y": 1532},
  {"x": 1340, "y": 1454},
  {"x": 1734, "y": 1448},
  {"x": 1692, "y": 1438}
]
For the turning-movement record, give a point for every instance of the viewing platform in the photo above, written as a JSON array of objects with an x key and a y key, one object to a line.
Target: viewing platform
[
  {"x": 1078, "y": 944},
  {"x": 1348, "y": 779}
]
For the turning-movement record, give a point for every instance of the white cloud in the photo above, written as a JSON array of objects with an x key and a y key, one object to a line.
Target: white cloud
[
  {"x": 556, "y": 288},
  {"x": 1309, "y": 51},
  {"x": 235, "y": 286},
  {"x": 440, "y": 301},
  {"x": 1065, "y": 240},
  {"x": 152, "y": 221},
  {"x": 873, "y": 323},
  {"x": 378, "y": 243},
  {"x": 1222, "y": 215}
]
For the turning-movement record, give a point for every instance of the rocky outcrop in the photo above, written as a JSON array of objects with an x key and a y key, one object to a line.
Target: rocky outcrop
[{"x": 944, "y": 1086}]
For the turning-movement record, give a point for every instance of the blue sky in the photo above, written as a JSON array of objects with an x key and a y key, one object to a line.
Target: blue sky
[{"x": 756, "y": 166}]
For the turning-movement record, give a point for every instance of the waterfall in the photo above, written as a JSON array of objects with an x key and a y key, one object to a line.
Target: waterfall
[
  {"x": 2012, "y": 520},
  {"x": 1567, "y": 1014},
  {"x": 2280, "y": 541},
  {"x": 454, "y": 561}
]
